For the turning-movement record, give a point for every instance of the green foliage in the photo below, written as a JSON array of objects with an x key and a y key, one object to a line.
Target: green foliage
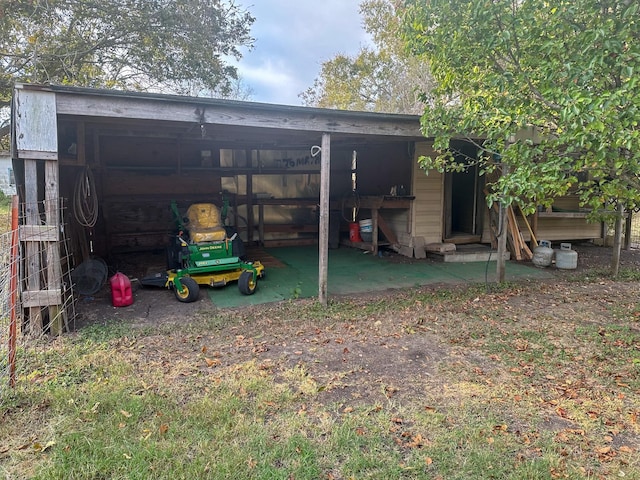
[
  {"x": 550, "y": 88},
  {"x": 383, "y": 78},
  {"x": 177, "y": 45}
]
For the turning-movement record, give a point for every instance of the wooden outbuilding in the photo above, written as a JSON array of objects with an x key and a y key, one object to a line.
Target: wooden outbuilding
[{"x": 98, "y": 169}]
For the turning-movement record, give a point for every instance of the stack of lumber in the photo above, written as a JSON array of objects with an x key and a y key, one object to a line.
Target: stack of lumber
[{"x": 515, "y": 241}]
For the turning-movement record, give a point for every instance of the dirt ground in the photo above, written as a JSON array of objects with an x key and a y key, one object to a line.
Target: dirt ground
[{"x": 374, "y": 349}]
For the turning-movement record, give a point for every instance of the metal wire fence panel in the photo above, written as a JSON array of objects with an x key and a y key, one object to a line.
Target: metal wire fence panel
[
  {"x": 8, "y": 290},
  {"x": 33, "y": 255}
]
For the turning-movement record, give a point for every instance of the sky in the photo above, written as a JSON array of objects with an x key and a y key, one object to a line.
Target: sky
[{"x": 293, "y": 38}]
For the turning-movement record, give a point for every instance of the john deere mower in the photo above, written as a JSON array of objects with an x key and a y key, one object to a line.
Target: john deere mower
[{"x": 205, "y": 252}]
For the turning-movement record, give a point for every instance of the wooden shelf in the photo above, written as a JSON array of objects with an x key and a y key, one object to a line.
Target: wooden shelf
[{"x": 563, "y": 214}]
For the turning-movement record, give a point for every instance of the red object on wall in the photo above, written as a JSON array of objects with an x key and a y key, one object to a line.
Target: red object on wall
[
  {"x": 121, "y": 294},
  {"x": 354, "y": 232}
]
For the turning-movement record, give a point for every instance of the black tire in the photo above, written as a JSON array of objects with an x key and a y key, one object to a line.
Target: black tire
[
  {"x": 190, "y": 290},
  {"x": 246, "y": 284}
]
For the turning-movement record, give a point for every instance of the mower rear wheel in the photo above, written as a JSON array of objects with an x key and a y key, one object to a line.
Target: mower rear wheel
[
  {"x": 190, "y": 290},
  {"x": 246, "y": 283}
]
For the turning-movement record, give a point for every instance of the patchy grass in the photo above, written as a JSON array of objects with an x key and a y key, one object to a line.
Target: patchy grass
[{"x": 525, "y": 381}]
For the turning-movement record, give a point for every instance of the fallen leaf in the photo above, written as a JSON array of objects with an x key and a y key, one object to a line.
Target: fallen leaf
[
  {"x": 203, "y": 349},
  {"x": 125, "y": 413},
  {"x": 428, "y": 460},
  {"x": 626, "y": 449},
  {"x": 127, "y": 456},
  {"x": 164, "y": 428},
  {"x": 360, "y": 431},
  {"x": 603, "y": 450},
  {"x": 212, "y": 362},
  {"x": 429, "y": 409},
  {"x": 397, "y": 420},
  {"x": 347, "y": 410}
]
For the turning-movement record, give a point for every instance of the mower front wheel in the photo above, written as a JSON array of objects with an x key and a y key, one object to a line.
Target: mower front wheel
[
  {"x": 190, "y": 290},
  {"x": 246, "y": 283}
]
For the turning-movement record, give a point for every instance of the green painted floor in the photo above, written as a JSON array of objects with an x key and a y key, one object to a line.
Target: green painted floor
[{"x": 353, "y": 271}]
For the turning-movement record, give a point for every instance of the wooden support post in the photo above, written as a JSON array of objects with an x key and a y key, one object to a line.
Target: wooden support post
[
  {"x": 323, "y": 248},
  {"x": 261, "y": 224},
  {"x": 54, "y": 272},
  {"x": 250, "y": 204},
  {"x": 33, "y": 261}
]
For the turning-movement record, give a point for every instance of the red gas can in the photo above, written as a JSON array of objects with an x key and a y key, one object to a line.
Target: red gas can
[
  {"x": 354, "y": 232},
  {"x": 121, "y": 294}
]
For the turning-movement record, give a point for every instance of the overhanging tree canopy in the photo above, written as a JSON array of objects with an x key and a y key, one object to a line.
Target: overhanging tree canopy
[
  {"x": 168, "y": 45},
  {"x": 383, "y": 78},
  {"x": 565, "y": 71}
]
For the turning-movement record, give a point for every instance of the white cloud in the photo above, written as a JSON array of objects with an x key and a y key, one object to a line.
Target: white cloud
[{"x": 293, "y": 38}]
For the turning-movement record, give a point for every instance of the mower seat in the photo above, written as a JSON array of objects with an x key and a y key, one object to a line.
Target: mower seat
[{"x": 205, "y": 224}]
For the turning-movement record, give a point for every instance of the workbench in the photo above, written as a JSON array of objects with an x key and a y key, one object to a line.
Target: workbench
[{"x": 374, "y": 204}]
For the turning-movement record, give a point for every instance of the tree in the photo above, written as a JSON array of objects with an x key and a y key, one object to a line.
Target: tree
[
  {"x": 168, "y": 45},
  {"x": 551, "y": 88},
  {"x": 384, "y": 78}
]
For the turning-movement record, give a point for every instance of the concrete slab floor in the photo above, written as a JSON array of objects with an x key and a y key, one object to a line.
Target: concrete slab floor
[{"x": 352, "y": 271}]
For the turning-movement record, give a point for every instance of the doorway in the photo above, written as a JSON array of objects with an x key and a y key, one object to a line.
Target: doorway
[{"x": 464, "y": 198}]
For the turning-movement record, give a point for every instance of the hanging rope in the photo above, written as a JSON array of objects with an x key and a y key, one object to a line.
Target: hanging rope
[{"x": 85, "y": 199}]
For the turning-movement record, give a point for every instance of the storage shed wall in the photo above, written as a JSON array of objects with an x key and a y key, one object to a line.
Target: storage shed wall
[{"x": 428, "y": 204}]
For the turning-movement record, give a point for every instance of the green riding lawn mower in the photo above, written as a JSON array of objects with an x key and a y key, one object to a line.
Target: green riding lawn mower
[{"x": 203, "y": 251}]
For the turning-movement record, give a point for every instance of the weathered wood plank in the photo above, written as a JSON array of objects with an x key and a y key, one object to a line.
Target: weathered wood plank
[
  {"x": 387, "y": 231},
  {"x": 36, "y": 126},
  {"x": 41, "y": 298},
  {"x": 33, "y": 252},
  {"x": 39, "y": 233},
  {"x": 54, "y": 269},
  {"x": 242, "y": 114},
  {"x": 323, "y": 248}
]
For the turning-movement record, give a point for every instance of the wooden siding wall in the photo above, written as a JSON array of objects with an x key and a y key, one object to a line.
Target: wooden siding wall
[
  {"x": 556, "y": 225},
  {"x": 426, "y": 215}
]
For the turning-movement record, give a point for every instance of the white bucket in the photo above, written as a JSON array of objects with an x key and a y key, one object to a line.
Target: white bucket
[{"x": 366, "y": 226}]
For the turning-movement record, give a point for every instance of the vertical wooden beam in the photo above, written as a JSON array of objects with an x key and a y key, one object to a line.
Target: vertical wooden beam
[
  {"x": 32, "y": 217},
  {"x": 81, "y": 144},
  {"x": 249, "y": 196},
  {"x": 323, "y": 247},
  {"x": 54, "y": 271}
]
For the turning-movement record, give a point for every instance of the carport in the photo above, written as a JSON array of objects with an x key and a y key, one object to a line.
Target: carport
[{"x": 139, "y": 151}]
